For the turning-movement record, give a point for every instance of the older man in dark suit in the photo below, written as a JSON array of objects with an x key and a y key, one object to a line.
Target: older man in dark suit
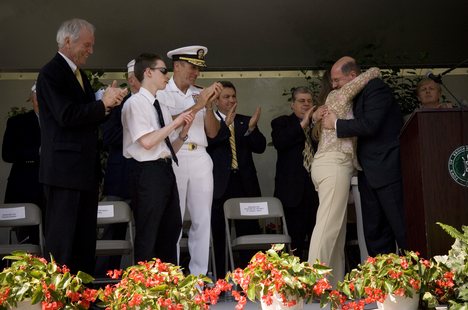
[
  {"x": 377, "y": 123},
  {"x": 70, "y": 168},
  {"x": 293, "y": 183},
  {"x": 234, "y": 171}
]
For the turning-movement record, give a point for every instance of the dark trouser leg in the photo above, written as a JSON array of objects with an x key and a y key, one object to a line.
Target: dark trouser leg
[
  {"x": 70, "y": 227},
  {"x": 391, "y": 200},
  {"x": 301, "y": 221},
  {"x": 218, "y": 231},
  {"x": 154, "y": 212},
  {"x": 377, "y": 229},
  {"x": 171, "y": 224}
]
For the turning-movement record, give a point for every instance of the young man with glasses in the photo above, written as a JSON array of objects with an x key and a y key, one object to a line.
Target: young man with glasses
[
  {"x": 151, "y": 138},
  {"x": 194, "y": 172}
]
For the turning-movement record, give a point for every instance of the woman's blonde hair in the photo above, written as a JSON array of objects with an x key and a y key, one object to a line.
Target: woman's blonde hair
[{"x": 325, "y": 88}]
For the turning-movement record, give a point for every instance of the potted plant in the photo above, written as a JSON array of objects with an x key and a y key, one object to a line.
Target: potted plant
[
  {"x": 277, "y": 278},
  {"x": 386, "y": 279},
  {"x": 158, "y": 285},
  {"x": 437, "y": 285},
  {"x": 35, "y": 280},
  {"x": 457, "y": 262}
]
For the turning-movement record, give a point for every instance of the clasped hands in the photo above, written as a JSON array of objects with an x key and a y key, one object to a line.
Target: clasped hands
[
  {"x": 207, "y": 96},
  {"x": 184, "y": 119},
  {"x": 113, "y": 95},
  {"x": 321, "y": 113}
]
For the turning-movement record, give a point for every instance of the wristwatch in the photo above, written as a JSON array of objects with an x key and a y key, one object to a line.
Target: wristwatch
[{"x": 183, "y": 138}]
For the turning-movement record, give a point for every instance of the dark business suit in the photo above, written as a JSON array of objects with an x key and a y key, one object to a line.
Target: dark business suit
[
  {"x": 21, "y": 144},
  {"x": 377, "y": 123},
  {"x": 293, "y": 184},
  {"x": 117, "y": 172},
  {"x": 116, "y": 182},
  {"x": 70, "y": 166},
  {"x": 229, "y": 183}
]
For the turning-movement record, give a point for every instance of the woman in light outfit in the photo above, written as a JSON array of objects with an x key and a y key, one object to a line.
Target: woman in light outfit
[{"x": 332, "y": 168}]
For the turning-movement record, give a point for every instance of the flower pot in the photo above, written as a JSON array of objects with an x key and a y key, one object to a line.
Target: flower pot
[
  {"x": 26, "y": 305},
  {"x": 278, "y": 304},
  {"x": 393, "y": 302}
]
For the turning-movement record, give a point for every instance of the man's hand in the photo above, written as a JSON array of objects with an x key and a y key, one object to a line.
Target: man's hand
[
  {"x": 207, "y": 96},
  {"x": 231, "y": 115},
  {"x": 329, "y": 120},
  {"x": 184, "y": 118},
  {"x": 307, "y": 116},
  {"x": 254, "y": 119},
  {"x": 113, "y": 95},
  {"x": 319, "y": 113},
  {"x": 188, "y": 120}
]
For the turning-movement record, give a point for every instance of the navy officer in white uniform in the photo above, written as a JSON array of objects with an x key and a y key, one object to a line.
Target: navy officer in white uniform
[{"x": 194, "y": 173}]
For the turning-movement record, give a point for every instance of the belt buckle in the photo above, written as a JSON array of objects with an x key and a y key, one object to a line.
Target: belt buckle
[{"x": 192, "y": 146}]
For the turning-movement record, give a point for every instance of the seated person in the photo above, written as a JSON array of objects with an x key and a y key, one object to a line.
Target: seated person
[{"x": 429, "y": 94}]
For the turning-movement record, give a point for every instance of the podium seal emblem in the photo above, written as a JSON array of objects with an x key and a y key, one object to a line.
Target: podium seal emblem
[{"x": 458, "y": 165}]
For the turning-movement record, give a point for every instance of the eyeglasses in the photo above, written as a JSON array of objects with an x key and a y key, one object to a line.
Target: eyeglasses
[{"x": 163, "y": 70}]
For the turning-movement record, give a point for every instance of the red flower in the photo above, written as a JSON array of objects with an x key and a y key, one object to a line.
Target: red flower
[
  {"x": 371, "y": 260},
  {"x": 404, "y": 263},
  {"x": 416, "y": 284},
  {"x": 114, "y": 274},
  {"x": 51, "y": 305},
  {"x": 395, "y": 274},
  {"x": 321, "y": 286},
  {"x": 4, "y": 295},
  {"x": 268, "y": 298},
  {"x": 74, "y": 296},
  {"x": 399, "y": 292}
]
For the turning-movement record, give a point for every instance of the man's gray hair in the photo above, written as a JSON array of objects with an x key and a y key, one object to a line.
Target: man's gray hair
[
  {"x": 300, "y": 90},
  {"x": 71, "y": 28}
]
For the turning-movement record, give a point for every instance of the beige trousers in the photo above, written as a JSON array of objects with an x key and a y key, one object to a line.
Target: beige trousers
[{"x": 331, "y": 174}]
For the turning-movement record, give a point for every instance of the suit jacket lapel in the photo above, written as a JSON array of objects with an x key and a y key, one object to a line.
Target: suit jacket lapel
[{"x": 88, "y": 91}]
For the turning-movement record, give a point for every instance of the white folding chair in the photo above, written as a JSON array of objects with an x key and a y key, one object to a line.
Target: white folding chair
[
  {"x": 252, "y": 208},
  {"x": 114, "y": 212},
  {"x": 360, "y": 228},
  {"x": 14, "y": 215},
  {"x": 183, "y": 244}
]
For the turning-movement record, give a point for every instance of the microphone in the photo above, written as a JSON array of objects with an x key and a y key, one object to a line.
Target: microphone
[{"x": 436, "y": 78}]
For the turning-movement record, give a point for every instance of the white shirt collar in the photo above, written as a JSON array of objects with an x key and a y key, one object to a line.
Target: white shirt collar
[
  {"x": 172, "y": 87},
  {"x": 147, "y": 94},
  {"x": 72, "y": 65},
  {"x": 223, "y": 117}
]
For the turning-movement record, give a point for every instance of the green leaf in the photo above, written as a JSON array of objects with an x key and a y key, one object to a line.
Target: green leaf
[
  {"x": 251, "y": 292},
  {"x": 83, "y": 276},
  {"x": 37, "y": 295}
]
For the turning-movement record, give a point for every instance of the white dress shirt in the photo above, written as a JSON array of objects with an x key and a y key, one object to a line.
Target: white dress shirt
[
  {"x": 177, "y": 102},
  {"x": 139, "y": 117}
]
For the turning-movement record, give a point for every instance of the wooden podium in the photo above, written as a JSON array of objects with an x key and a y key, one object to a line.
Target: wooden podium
[{"x": 431, "y": 195}]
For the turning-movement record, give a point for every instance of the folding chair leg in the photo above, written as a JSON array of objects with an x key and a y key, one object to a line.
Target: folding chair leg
[{"x": 213, "y": 258}]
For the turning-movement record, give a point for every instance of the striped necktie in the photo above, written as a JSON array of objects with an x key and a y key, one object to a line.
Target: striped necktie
[
  {"x": 232, "y": 142},
  {"x": 79, "y": 78},
  {"x": 308, "y": 151}
]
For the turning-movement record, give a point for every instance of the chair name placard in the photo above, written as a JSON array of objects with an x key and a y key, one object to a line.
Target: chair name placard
[
  {"x": 16, "y": 213},
  {"x": 105, "y": 211},
  {"x": 253, "y": 208}
]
